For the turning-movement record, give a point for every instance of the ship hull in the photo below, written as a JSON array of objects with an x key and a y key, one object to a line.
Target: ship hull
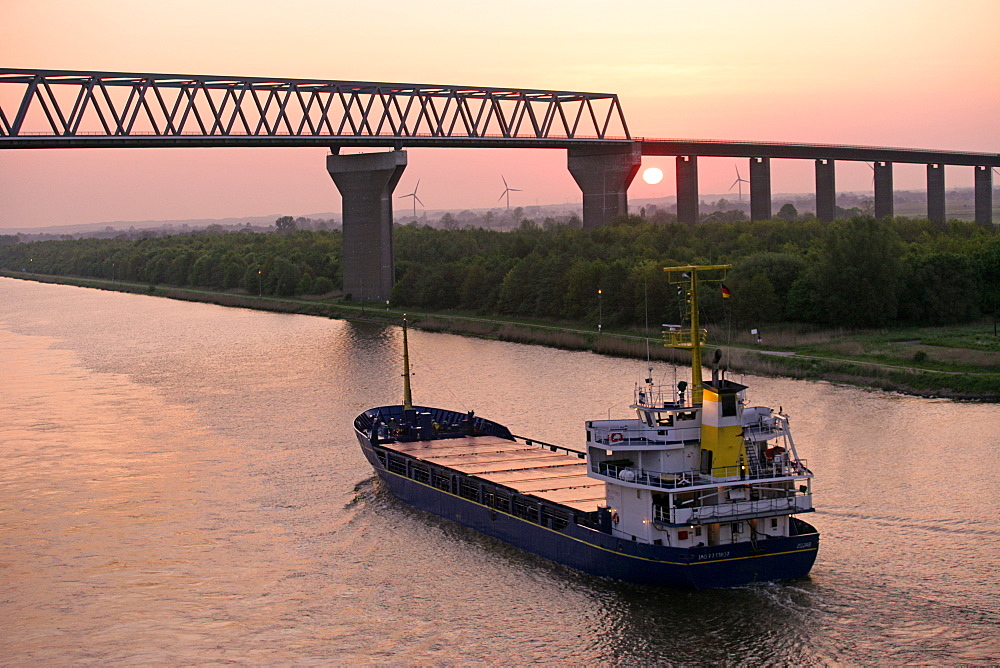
[{"x": 598, "y": 553}]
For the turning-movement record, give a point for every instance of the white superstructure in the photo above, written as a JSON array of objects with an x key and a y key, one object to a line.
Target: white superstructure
[{"x": 685, "y": 475}]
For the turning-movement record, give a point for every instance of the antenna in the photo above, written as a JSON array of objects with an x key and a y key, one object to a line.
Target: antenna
[
  {"x": 738, "y": 182},
  {"x": 507, "y": 190},
  {"x": 645, "y": 299},
  {"x": 415, "y": 198}
]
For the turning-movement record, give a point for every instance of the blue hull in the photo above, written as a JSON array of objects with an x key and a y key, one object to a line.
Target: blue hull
[{"x": 592, "y": 551}]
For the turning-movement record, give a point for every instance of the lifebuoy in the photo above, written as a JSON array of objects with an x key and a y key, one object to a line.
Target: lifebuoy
[
  {"x": 397, "y": 432},
  {"x": 616, "y": 437},
  {"x": 614, "y": 516}
]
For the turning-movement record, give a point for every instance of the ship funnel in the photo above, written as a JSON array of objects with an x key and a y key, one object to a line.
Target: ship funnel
[{"x": 722, "y": 424}]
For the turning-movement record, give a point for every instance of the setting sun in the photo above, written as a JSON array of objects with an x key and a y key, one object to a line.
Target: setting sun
[{"x": 652, "y": 175}]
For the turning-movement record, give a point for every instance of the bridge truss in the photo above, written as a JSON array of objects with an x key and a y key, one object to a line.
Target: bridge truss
[{"x": 71, "y": 109}]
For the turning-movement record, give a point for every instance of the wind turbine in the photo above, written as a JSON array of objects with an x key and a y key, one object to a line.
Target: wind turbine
[
  {"x": 415, "y": 199},
  {"x": 738, "y": 182},
  {"x": 507, "y": 190}
]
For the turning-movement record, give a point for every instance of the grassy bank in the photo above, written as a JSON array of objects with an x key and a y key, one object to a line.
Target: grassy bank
[{"x": 958, "y": 362}]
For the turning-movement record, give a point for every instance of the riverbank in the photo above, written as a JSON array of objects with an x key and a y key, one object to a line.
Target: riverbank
[{"x": 956, "y": 362}]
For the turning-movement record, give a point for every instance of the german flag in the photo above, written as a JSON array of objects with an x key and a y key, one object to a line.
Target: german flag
[{"x": 726, "y": 294}]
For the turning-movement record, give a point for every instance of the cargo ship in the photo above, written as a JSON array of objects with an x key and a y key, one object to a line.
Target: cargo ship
[{"x": 698, "y": 490}]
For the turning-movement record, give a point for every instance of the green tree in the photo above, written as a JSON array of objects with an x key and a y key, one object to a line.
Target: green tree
[
  {"x": 285, "y": 224},
  {"x": 781, "y": 271},
  {"x": 939, "y": 288},
  {"x": 788, "y": 212},
  {"x": 755, "y": 301},
  {"x": 322, "y": 285},
  {"x": 859, "y": 273},
  {"x": 284, "y": 276}
]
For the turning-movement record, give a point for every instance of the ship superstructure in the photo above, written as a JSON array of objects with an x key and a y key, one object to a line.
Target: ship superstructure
[{"x": 689, "y": 475}]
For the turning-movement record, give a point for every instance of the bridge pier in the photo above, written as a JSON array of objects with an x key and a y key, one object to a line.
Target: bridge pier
[
  {"x": 826, "y": 190},
  {"x": 760, "y": 188},
  {"x": 366, "y": 182},
  {"x": 604, "y": 175},
  {"x": 883, "y": 190},
  {"x": 984, "y": 195},
  {"x": 935, "y": 193},
  {"x": 687, "y": 189}
]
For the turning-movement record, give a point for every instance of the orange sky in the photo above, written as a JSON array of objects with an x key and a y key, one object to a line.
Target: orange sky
[{"x": 889, "y": 73}]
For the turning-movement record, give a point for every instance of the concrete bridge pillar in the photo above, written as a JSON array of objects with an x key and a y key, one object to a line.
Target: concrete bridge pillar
[
  {"x": 366, "y": 182},
  {"x": 883, "y": 190},
  {"x": 687, "y": 189},
  {"x": 935, "y": 193},
  {"x": 984, "y": 195},
  {"x": 604, "y": 175},
  {"x": 760, "y": 188},
  {"x": 826, "y": 190}
]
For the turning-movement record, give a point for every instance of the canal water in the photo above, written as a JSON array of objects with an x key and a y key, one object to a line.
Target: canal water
[{"x": 180, "y": 484}]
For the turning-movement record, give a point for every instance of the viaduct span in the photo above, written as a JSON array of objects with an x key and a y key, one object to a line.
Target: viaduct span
[{"x": 72, "y": 109}]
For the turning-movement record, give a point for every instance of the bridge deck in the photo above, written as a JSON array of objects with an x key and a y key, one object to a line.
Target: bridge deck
[{"x": 528, "y": 469}]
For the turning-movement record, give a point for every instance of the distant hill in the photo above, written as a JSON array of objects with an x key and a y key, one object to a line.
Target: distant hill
[{"x": 122, "y": 225}]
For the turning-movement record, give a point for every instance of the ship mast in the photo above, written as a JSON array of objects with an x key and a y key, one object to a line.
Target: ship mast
[
  {"x": 694, "y": 339},
  {"x": 407, "y": 398}
]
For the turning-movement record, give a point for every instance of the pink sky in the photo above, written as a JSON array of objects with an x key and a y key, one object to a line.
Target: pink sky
[{"x": 887, "y": 73}]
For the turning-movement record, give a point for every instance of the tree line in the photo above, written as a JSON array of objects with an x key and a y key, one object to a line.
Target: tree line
[
  {"x": 293, "y": 263},
  {"x": 858, "y": 272}
]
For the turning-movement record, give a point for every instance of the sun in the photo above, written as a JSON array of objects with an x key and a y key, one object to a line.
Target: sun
[{"x": 653, "y": 175}]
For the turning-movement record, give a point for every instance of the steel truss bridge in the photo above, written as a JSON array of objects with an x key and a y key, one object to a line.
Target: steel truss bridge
[{"x": 63, "y": 109}]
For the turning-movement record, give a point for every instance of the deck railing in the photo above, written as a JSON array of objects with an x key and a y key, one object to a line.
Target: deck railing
[
  {"x": 695, "y": 478},
  {"x": 793, "y": 502}
]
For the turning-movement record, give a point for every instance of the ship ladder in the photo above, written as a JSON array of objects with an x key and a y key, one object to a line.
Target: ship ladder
[{"x": 753, "y": 460}]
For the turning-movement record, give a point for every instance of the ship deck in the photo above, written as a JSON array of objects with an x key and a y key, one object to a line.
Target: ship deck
[{"x": 529, "y": 469}]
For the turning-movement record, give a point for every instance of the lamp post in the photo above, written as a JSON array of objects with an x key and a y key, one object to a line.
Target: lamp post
[
  {"x": 600, "y": 310},
  {"x": 260, "y": 284}
]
